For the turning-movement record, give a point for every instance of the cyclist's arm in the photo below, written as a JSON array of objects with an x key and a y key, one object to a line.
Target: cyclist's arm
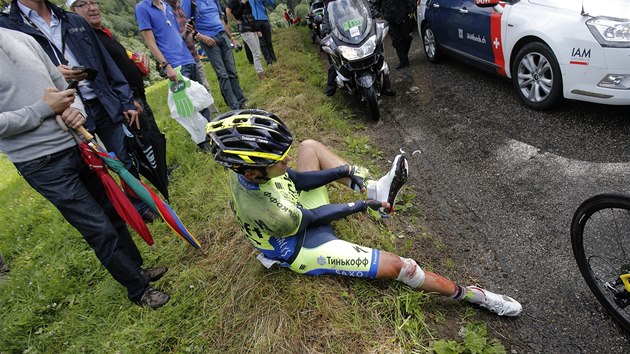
[
  {"x": 305, "y": 181},
  {"x": 330, "y": 212}
]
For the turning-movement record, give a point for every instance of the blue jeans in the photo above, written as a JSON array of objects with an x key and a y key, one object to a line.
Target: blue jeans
[
  {"x": 113, "y": 136},
  {"x": 190, "y": 71},
  {"x": 222, "y": 60},
  {"x": 77, "y": 192}
]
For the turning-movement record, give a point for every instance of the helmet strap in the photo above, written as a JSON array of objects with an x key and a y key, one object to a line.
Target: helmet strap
[
  {"x": 264, "y": 177},
  {"x": 263, "y": 170}
]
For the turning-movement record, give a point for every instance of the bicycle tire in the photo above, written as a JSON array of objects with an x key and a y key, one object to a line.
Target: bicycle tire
[{"x": 601, "y": 220}]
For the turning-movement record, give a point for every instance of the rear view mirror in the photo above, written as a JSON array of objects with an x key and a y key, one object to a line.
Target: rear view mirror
[{"x": 486, "y": 3}]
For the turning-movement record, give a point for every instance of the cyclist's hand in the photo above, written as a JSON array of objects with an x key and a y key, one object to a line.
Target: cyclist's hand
[
  {"x": 376, "y": 205},
  {"x": 357, "y": 175}
]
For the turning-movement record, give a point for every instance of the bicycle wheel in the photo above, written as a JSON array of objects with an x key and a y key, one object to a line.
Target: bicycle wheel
[{"x": 600, "y": 236}]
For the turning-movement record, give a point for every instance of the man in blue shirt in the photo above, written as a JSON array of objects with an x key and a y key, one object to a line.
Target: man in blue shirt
[
  {"x": 215, "y": 39},
  {"x": 159, "y": 28},
  {"x": 262, "y": 23}
]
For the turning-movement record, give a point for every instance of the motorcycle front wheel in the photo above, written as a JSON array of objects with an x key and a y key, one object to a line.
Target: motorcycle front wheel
[{"x": 369, "y": 94}]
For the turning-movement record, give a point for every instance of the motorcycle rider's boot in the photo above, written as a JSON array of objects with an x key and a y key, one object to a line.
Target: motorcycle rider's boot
[
  {"x": 331, "y": 84},
  {"x": 388, "y": 92},
  {"x": 403, "y": 58},
  {"x": 387, "y": 87}
]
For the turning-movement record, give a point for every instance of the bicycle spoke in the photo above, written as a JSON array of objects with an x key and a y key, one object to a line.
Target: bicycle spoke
[{"x": 605, "y": 235}]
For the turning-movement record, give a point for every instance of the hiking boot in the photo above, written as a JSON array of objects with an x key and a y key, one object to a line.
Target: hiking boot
[
  {"x": 386, "y": 189},
  {"x": 502, "y": 305},
  {"x": 153, "y": 298},
  {"x": 153, "y": 274}
]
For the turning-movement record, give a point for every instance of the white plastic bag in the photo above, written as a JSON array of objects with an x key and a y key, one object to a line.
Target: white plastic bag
[
  {"x": 195, "y": 124},
  {"x": 185, "y": 100},
  {"x": 199, "y": 96}
]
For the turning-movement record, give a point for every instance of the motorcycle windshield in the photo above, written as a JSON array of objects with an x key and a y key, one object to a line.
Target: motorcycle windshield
[{"x": 350, "y": 20}]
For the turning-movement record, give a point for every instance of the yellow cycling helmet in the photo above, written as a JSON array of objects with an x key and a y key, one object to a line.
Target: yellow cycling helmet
[{"x": 248, "y": 138}]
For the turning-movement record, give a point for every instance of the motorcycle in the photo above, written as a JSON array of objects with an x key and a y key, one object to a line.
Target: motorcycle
[
  {"x": 314, "y": 19},
  {"x": 355, "y": 46}
]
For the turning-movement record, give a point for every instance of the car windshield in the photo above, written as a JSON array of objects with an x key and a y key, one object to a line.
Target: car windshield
[
  {"x": 350, "y": 20},
  {"x": 613, "y": 8}
]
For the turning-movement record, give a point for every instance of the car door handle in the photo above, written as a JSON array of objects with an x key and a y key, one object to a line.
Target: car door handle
[
  {"x": 436, "y": 6},
  {"x": 463, "y": 11}
]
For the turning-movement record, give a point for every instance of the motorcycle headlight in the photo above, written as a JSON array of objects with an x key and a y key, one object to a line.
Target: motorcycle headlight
[
  {"x": 354, "y": 53},
  {"x": 610, "y": 32}
]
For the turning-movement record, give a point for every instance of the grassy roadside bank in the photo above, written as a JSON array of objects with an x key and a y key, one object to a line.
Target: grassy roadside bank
[{"x": 58, "y": 298}]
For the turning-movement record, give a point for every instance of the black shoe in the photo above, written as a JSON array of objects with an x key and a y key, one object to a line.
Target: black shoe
[
  {"x": 330, "y": 91},
  {"x": 205, "y": 146},
  {"x": 403, "y": 65},
  {"x": 153, "y": 274},
  {"x": 149, "y": 217},
  {"x": 153, "y": 298},
  {"x": 389, "y": 92}
]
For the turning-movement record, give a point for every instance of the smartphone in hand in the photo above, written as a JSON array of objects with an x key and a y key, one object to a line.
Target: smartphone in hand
[{"x": 73, "y": 84}]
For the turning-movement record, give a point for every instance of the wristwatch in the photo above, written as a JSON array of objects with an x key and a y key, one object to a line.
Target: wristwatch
[{"x": 164, "y": 65}]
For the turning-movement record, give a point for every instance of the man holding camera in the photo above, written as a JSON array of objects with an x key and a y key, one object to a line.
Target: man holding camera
[
  {"x": 212, "y": 33},
  {"x": 133, "y": 72}
]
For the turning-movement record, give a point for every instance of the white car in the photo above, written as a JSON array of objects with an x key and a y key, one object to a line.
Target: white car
[{"x": 576, "y": 49}]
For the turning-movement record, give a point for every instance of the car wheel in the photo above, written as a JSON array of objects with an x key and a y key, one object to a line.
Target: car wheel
[
  {"x": 536, "y": 76},
  {"x": 430, "y": 44}
]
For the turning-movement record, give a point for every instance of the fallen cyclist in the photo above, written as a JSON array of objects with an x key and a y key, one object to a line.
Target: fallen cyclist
[{"x": 286, "y": 214}]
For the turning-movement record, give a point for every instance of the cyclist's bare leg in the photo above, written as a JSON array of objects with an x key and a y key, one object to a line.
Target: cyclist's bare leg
[
  {"x": 314, "y": 156},
  {"x": 389, "y": 267}
]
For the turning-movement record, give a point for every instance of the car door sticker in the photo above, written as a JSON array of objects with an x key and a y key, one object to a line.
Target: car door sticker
[
  {"x": 495, "y": 33},
  {"x": 580, "y": 56}
]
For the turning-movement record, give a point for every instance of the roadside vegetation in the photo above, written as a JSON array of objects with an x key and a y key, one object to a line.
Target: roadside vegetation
[{"x": 59, "y": 299}]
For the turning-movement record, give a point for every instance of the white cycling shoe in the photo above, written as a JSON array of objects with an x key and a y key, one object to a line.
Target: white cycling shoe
[
  {"x": 502, "y": 305},
  {"x": 386, "y": 189}
]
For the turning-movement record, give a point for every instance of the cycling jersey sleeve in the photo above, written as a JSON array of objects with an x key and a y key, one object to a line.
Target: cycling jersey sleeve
[
  {"x": 330, "y": 212},
  {"x": 305, "y": 181}
]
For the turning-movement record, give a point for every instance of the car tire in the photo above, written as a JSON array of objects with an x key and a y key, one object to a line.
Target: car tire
[
  {"x": 536, "y": 76},
  {"x": 430, "y": 44}
]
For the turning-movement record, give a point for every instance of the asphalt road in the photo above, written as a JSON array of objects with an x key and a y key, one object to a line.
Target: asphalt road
[{"x": 500, "y": 183}]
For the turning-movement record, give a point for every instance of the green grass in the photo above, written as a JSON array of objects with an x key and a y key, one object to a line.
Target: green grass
[{"x": 57, "y": 298}]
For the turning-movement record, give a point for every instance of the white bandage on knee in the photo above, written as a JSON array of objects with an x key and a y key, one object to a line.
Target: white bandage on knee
[{"x": 411, "y": 273}]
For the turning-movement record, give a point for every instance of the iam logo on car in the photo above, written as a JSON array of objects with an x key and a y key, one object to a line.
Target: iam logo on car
[{"x": 580, "y": 56}]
